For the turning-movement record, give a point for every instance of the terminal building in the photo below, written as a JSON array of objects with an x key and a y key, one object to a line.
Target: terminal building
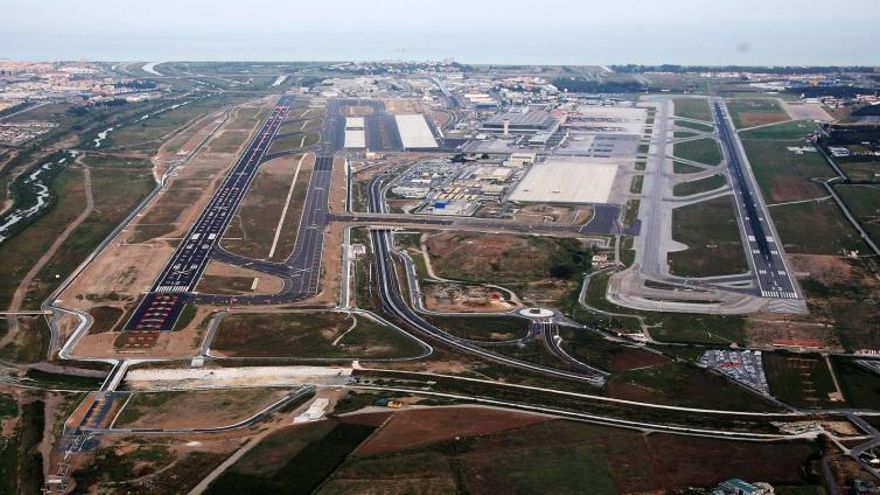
[{"x": 519, "y": 123}]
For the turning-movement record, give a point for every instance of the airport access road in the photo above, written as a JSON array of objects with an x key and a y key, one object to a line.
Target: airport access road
[
  {"x": 393, "y": 303},
  {"x": 765, "y": 254}
]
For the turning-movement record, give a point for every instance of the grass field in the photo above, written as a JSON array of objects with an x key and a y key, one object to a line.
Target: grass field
[
  {"x": 293, "y": 460},
  {"x": 863, "y": 202},
  {"x": 150, "y": 132},
  {"x": 30, "y": 343},
  {"x": 630, "y": 212},
  {"x": 175, "y": 409},
  {"x": 563, "y": 457},
  {"x": 504, "y": 259},
  {"x": 596, "y": 351},
  {"x": 699, "y": 186},
  {"x": 635, "y": 186},
  {"x": 486, "y": 328},
  {"x": 785, "y": 131},
  {"x": 683, "y": 168},
  {"x": 799, "y": 380},
  {"x": 861, "y": 387},
  {"x": 829, "y": 231},
  {"x": 861, "y": 169},
  {"x": 785, "y": 176},
  {"x": 310, "y": 335},
  {"x": 710, "y": 230},
  {"x": 706, "y": 329},
  {"x": 21, "y": 463},
  {"x": 116, "y": 192},
  {"x": 751, "y": 112},
  {"x": 695, "y": 126},
  {"x": 20, "y": 252},
  {"x": 704, "y": 150},
  {"x": 252, "y": 229},
  {"x": 683, "y": 385},
  {"x": 693, "y": 108}
]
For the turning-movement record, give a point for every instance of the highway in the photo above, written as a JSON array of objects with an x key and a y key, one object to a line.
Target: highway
[
  {"x": 766, "y": 256},
  {"x": 162, "y": 305}
]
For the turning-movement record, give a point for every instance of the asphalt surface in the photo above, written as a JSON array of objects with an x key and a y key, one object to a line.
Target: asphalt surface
[
  {"x": 393, "y": 303},
  {"x": 765, "y": 255},
  {"x": 163, "y": 304}
]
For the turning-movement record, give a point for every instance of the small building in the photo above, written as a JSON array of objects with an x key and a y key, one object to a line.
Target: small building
[
  {"x": 736, "y": 486},
  {"x": 520, "y": 159}
]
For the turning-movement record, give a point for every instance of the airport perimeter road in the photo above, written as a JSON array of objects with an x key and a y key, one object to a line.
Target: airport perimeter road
[
  {"x": 161, "y": 306},
  {"x": 766, "y": 255}
]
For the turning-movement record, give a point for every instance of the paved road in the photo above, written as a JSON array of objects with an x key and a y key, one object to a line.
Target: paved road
[
  {"x": 393, "y": 303},
  {"x": 766, "y": 256}
]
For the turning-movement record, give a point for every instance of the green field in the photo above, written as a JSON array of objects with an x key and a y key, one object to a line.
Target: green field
[
  {"x": 695, "y": 126},
  {"x": 693, "y": 108},
  {"x": 486, "y": 328},
  {"x": 30, "y": 343},
  {"x": 704, "y": 150},
  {"x": 710, "y": 230},
  {"x": 630, "y": 212},
  {"x": 21, "y": 463},
  {"x": 684, "y": 385},
  {"x": 860, "y": 169},
  {"x": 683, "y": 168},
  {"x": 252, "y": 229},
  {"x": 116, "y": 192},
  {"x": 799, "y": 380},
  {"x": 149, "y": 133},
  {"x": 293, "y": 460},
  {"x": 751, "y": 112},
  {"x": 699, "y": 186},
  {"x": 829, "y": 231},
  {"x": 863, "y": 202},
  {"x": 21, "y": 251},
  {"x": 783, "y": 175},
  {"x": 861, "y": 387},
  {"x": 563, "y": 457},
  {"x": 785, "y": 131},
  {"x": 505, "y": 259},
  {"x": 310, "y": 335},
  {"x": 637, "y": 183},
  {"x": 701, "y": 329}
]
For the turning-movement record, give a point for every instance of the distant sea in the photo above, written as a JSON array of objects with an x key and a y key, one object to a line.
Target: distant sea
[{"x": 496, "y": 44}]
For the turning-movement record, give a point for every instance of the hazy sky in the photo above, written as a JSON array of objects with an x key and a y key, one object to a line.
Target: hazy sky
[{"x": 526, "y": 31}]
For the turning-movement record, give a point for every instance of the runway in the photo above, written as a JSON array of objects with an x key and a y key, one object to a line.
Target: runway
[
  {"x": 162, "y": 305},
  {"x": 766, "y": 256}
]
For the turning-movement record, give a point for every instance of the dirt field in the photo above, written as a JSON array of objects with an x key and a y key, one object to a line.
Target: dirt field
[
  {"x": 751, "y": 112},
  {"x": 220, "y": 278},
  {"x": 356, "y": 111},
  {"x": 308, "y": 335},
  {"x": 542, "y": 213},
  {"x": 497, "y": 258},
  {"x": 631, "y": 359},
  {"x": 194, "y": 409},
  {"x": 465, "y": 298},
  {"x": 412, "y": 428},
  {"x": 565, "y": 457},
  {"x": 790, "y": 331},
  {"x": 397, "y": 106}
]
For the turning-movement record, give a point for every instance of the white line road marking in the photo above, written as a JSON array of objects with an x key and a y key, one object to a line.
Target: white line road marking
[{"x": 286, "y": 206}]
